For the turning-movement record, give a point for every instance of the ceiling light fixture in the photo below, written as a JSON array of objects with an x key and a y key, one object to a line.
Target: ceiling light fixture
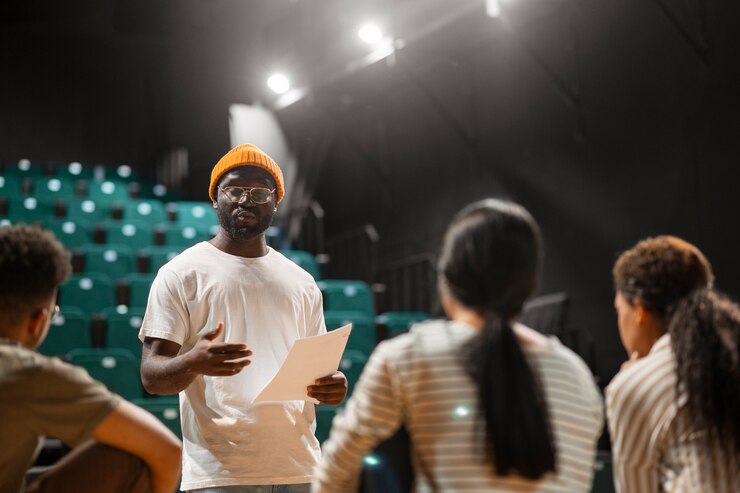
[
  {"x": 370, "y": 34},
  {"x": 278, "y": 83}
]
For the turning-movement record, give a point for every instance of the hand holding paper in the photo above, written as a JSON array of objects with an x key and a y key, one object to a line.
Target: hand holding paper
[{"x": 310, "y": 359}]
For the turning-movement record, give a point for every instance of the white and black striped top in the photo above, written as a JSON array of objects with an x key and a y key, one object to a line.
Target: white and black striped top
[
  {"x": 418, "y": 379},
  {"x": 655, "y": 447}
]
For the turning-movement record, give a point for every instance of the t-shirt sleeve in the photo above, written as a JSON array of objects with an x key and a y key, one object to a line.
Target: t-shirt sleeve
[
  {"x": 166, "y": 315},
  {"x": 373, "y": 414},
  {"x": 317, "y": 325},
  {"x": 61, "y": 400}
]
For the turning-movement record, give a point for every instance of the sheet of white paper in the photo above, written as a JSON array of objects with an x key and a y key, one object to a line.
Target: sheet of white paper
[{"x": 309, "y": 358}]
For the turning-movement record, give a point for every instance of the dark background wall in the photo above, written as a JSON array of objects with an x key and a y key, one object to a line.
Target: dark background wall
[{"x": 610, "y": 121}]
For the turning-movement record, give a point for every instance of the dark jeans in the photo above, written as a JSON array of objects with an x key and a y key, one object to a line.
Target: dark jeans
[{"x": 94, "y": 467}]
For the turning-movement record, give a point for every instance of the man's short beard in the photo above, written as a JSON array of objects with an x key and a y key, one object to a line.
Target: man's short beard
[{"x": 246, "y": 232}]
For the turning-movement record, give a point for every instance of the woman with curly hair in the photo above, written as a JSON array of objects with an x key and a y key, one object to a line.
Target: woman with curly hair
[{"x": 674, "y": 408}]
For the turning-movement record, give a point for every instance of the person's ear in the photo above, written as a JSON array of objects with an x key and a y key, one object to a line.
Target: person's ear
[
  {"x": 37, "y": 322},
  {"x": 642, "y": 314}
]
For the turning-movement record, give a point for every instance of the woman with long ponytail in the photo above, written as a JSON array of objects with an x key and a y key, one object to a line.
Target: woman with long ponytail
[
  {"x": 674, "y": 408},
  {"x": 489, "y": 404}
]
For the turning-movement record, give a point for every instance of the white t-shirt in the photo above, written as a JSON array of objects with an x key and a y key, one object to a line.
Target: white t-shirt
[{"x": 267, "y": 303}]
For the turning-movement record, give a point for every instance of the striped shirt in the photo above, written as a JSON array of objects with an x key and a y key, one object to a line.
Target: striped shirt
[
  {"x": 418, "y": 379},
  {"x": 654, "y": 445}
]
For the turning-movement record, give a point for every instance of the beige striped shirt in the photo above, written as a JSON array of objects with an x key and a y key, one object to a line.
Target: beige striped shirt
[
  {"x": 654, "y": 445},
  {"x": 418, "y": 379}
]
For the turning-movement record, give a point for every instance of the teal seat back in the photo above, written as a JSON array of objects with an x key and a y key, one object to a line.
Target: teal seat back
[
  {"x": 117, "y": 368},
  {"x": 400, "y": 322},
  {"x": 324, "y": 417},
  {"x": 61, "y": 186},
  {"x": 363, "y": 337},
  {"x": 305, "y": 260},
  {"x": 108, "y": 191},
  {"x": 149, "y": 210},
  {"x": 347, "y": 295},
  {"x": 166, "y": 409},
  {"x": 134, "y": 233},
  {"x": 122, "y": 329},
  {"x": 160, "y": 255},
  {"x": 72, "y": 234},
  {"x": 71, "y": 330},
  {"x": 352, "y": 364},
  {"x": 185, "y": 235},
  {"x": 116, "y": 261},
  {"x": 188, "y": 212},
  {"x": 88, "y": 210},
  {"x": 91, "y": 292},
  {"x": 138, "y": 286}
]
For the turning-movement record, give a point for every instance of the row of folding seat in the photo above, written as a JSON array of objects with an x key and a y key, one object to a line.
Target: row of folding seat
[
  {"x": 25, "y": 167},
  {"x": 90, "y": 211}
]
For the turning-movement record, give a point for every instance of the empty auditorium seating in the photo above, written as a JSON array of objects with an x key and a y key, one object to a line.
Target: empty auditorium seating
[
  {"x": 117, "y": 368},
  {"x": 347, "y": 296},
  {"x": 305, "y": 260},
  {"x": 396, "y": 323},
  {"x": 69, "y": 331}
]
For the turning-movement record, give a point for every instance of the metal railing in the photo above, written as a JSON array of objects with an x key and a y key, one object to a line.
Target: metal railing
[
  {"x": 410, "y": 284},
  {"x": 353, "y": 254}
]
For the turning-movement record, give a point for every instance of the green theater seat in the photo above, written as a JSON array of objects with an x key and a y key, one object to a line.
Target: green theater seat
[
  {"x": 117, "y": 368},
  {"x": 166, "y": 408},
  {"x": 305, "y": 260},
  {"x": 71, "y": 234},
  {"x": 92, "y": 292},
  {"x": 400, "y": 322},
  {"x": 347, "y": 295},
  {"x": 116, "y": 261},
  {"x": 122, "y": 329},
  {"x": 69, "y": 331},
  {"x": 189, "y": 212},
  {"x": 363, "y": 337},
  {"x": 133, "y": 233}
]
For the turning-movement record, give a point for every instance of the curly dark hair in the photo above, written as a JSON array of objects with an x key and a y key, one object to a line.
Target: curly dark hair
[
  {"x": 32, "y": 265},
  {"x": 672, "y": 278},
  {"x": 660, "y": 271},
  {"x": 705, "y": 337}
]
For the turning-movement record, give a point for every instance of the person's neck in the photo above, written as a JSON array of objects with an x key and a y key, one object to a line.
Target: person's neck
[
  {"x": 250, "y": 248},
  {"x": 650, "y": 337}
]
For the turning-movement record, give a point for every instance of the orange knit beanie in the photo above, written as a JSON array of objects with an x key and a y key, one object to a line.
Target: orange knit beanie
[{"x": 246, "y": 155}]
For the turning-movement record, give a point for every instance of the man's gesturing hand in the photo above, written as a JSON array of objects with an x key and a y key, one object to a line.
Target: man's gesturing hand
[
  {"x": 330, "y": 389},
  {"x": 217, "y": 359}
]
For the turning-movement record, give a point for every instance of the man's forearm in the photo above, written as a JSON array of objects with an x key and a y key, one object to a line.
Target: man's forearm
[{"x": 164, "y": 375}]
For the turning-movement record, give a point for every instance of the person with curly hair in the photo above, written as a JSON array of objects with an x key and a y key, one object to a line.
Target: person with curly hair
[
  {"x": 117, "y": 447},
  {"x": 674, "y": 408}
]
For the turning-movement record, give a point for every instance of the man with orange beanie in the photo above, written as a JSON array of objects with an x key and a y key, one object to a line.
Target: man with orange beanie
[{"x": 220, "y": 320}]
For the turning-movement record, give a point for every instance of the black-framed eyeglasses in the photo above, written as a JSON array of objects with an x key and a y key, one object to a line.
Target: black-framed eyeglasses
[{"x": 258, "y": 195}]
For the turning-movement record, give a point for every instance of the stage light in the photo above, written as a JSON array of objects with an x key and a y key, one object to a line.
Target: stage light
[
  {"x": 493, "y": 8},
  {"x": 370, "y": 34},
  {"x": 278, "y": 83}
]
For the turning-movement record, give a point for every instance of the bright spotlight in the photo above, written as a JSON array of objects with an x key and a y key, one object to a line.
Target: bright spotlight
[
  {"x": 278, "y": 83},
  {"x": 493, "y": 8},
  {"x": 370, "y": 34}
]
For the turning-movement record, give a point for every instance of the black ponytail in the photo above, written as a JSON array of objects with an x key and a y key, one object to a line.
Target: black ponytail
[
  {"x": 518, "y": 431},
  {"x": 490, "y": 261}
]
